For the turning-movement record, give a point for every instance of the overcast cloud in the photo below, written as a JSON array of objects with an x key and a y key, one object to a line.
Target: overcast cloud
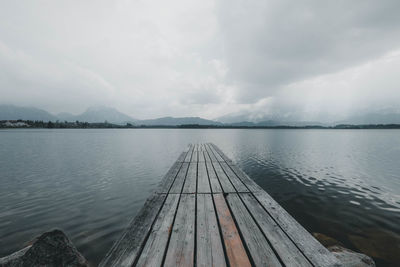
[{"x": 202, "y": 58}]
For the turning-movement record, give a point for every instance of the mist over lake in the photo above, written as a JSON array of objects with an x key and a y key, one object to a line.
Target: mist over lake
[{"x": 91, "y": 183}]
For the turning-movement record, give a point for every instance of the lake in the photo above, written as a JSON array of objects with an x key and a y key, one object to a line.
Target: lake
[{"x": 91, "y": 183}]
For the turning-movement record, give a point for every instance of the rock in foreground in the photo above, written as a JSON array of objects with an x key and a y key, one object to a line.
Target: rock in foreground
[
  {"x": 350, "y": 258},
  {"x": 347, "y": 257},
  {"x": 50, "y": 249}
]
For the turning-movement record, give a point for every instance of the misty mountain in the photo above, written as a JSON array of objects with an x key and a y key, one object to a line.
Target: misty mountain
[
  {"x": 101, "y": 114},
  {"x": 98, "y": 114},
  {"x": 65, "y": 116},
  {"x": 255, "y": 119},
  {"x": 372, "y": 118},
  {"x": 171, "y": 121},
  {"x": 11, "y": 112},
  {"x": 272, "y": 123}
]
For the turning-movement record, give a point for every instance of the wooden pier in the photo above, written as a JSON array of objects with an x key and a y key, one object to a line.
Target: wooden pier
[{"x": 207, "y": 212}]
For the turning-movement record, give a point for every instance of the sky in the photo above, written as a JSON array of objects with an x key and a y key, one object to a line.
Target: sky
[{"x": 317, "y": 60}]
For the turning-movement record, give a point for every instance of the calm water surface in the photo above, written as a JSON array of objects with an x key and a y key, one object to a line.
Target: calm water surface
[{"x": 91, "y": 183}]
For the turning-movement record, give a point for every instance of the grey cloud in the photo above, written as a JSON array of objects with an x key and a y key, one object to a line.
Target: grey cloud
[
  {"x": 198, "y": 58},
  {"x": 273, "y": 43}
]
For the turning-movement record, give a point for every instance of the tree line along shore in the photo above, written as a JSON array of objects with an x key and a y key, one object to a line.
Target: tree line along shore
[{"x": 103, "y": 125}]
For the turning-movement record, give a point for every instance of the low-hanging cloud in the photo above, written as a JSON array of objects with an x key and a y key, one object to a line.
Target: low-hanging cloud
[{"x": 205, "y": 58}]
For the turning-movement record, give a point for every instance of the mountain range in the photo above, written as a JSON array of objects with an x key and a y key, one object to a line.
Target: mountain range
[
  {"x": 95, "y": 114},
  {"x": 111, "y": 115}
]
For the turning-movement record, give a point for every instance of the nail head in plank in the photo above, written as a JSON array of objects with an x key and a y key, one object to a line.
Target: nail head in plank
[
  {"x": 311, "y": 248},
  {"x": 180, "y": 250},
  {"x": 287, "y": 251},
  {"x": 209, "y": 245},
  {"x": 203, "y": 185},
  {"x": 127, "y": 248},
  {"x": 258, "y": 246},
  {"x": 156, "y": 244},
  {"x": 191, "y": 177}
]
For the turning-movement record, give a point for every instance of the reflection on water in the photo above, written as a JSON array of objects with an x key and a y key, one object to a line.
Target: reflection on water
[{"x": 90, "y": 183}]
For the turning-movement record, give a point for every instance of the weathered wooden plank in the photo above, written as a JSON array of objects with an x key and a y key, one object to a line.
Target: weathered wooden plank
[
  {"x": 311, "y": 248},
  {"x": 203, "y": 184},
  {"x": 206, "y": 156},
  {"x": 201, "y": 147},
  {"x": 209, "y": 245},
  {"x": 210, "y": 154},
  {"x": 222, "y": 154},
  {"x": 258, "y": 246},
  {"x": 223, "y": 179},
  {"x": 254, "y": 223},
  {"x": 191, "y": 179},
  {"x": 234, "y": 248},
  {"x": 251, "y": 185},
  {"x": 169, "y": 178},
  {"x": 127, "y": 248},
  {"x": 214, "y": 183},
  {"x": 189, "y": 153},
  {"x": 237, "y": 183},
  {"x": 287, "y": 251},
  {"x": 182, "y": 157},
  {"x": 156, "y": 244},
  {"x": 195, "y": 157},
  {"x": 216, "y": 154},
  {"x": 201, "y": 156},
  {"x": 181, "y": 245},
  {"x": 176, "y": 187}
]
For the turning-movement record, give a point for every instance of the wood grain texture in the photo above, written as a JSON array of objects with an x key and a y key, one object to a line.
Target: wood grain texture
[
  {"x": 182, "y": 157},
  {"x": 201, "y": 156},
  {"x": 195, "y": 155},
  {"x": 191, "y": 179},
  {"x": 216, "y": 154},
  {"x": 209, "y": 243},
  {"x": 237, "y": 183},
  {"x": 156, "y": 244},
  {"x": 203, "y": 184},
  {"x": 189, "y": 153},
  {"x": 206, "y": 156},
  {"x": 181, "y": 245},
  {"x": 214, "y": 182},
  {"x": 234, "y": 248},
  {"x": 289, "y": 254},
  {"x": 311, "y": 248},
  {"x": 125, "y": 251},
  {"x": 169, "y": 178},
  {"x": 210, "y": 153},
  {"x": 251, "y": 185},
  {"x": 239, "y": 224},
  {"x": 258, "y": 246},
  {"x": 226, "y": 159},
  {"x": 176, "y": 187},
  {"x": 223, "y": 179}
]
